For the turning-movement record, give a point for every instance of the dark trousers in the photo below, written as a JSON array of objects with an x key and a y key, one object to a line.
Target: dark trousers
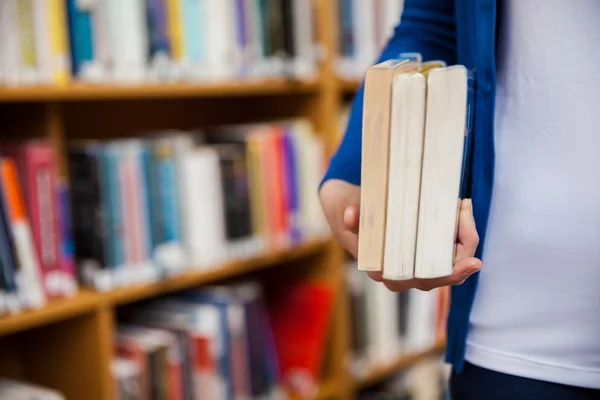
[{"x": 475, "y": 383}]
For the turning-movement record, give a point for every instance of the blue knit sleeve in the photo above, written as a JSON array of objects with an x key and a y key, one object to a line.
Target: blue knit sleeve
[{"x": 426, "y": 27}]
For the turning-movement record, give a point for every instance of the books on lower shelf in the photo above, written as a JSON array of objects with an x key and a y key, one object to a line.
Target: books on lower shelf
[
  {"x": 223, "y": 342},
  {"x": 387, "y": 325},
  {"x": 150, "y": 207},
  {"x": 415, "y": 159},
  {"x": 35, "y": 256},
  {"x": 17, "y": 390},
  {"x": 137, "y": 41},
  {"x": 364, "y": 27}
]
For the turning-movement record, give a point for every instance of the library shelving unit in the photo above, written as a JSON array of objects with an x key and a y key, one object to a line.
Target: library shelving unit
[{"x": 68, "y": 345}]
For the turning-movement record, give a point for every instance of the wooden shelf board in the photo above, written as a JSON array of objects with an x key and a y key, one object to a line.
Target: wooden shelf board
[
  {"x": 91, "y": 92},
  {"x": 199, "y": 277},
  {"x": 83, "y": 302},
  {"x": 379, "y": 373},
  {"x": 87, "y": 300}
]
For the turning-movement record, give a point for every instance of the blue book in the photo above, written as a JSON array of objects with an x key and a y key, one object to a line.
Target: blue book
[
  {"x": 111, "y": 193},
  {"x": 158, "y": 37},
  {"x": 80, "y": 36},
  {"x": 193, "y": 20}
]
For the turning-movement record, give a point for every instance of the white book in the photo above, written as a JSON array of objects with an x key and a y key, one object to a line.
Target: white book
[
  {"x": 363, "y": 15},
  {"x": 421, "y": 321},
  {"x": 43, "y": 45},
  {"x": 446, "y": 128},
  {"x": 382, "y": 323},
  {"x": 405, "y": 162},
  {"x": 204, "y": 236},
  {"x": 304, "y": 62},
  {"x": 222, "y": 56},
  {"x": 10, "y": 43},
  {"x": 128, "y": 40}
]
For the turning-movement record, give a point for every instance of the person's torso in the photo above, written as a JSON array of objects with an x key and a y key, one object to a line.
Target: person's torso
[{"x": 537, "y": 307}]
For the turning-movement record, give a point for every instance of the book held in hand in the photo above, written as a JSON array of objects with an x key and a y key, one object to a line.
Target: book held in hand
[{"x": 415, "y": 157}]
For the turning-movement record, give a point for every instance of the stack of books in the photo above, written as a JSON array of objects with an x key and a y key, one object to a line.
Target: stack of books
[
  {"x": 137, "y": 41},
  {"x": 415, "y": 166},
  {"x": 223, "y": 342},
  {"x": 149, "y": 207},
  {"x": 364, "y": 28},
  {"x": 36, "y": 253}
]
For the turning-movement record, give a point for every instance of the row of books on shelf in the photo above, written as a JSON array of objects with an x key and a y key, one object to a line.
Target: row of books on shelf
[
  {"x": 20, "y": 390},
  {"x": 224, "y": 342},
  {"x": 387, "y": 325},
  {"x": 136, "y": 41},
  {"x": 364, "y": 28},
  {"x": 143, "y": 209}
]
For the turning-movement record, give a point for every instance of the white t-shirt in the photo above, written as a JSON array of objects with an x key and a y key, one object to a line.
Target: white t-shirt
[{"x": 537, "y": 308}]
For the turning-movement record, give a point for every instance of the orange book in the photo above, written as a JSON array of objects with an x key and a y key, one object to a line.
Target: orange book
[{"x": 28, "y": 270}]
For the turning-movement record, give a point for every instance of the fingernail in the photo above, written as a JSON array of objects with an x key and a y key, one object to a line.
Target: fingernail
[{"x": 347, "y": 216}]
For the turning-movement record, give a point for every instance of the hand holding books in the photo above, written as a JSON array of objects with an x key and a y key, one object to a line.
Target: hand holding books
[{"x": 465, "y": 264}]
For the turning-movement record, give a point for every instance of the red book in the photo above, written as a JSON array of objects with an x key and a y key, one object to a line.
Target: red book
[
  {"x": 299, "y": 315},
  {"x": 37, "y": 165}
]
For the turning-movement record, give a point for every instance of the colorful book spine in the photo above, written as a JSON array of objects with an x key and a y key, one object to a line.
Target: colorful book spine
[
  {"x": 158, "y": 34},
  {"x": 28, "y": 277},
  {"x": 81, "y": 36},
  {"x": 59, "y": 39},
  {"x": 175, "y": 29},
  {"x": 8, "y": 261},
  {"x": 69, "y": 279},
  {"x": 37, "y": 166}
]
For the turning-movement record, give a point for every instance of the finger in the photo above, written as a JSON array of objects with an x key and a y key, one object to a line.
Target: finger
[
  {"x": 352, "y": 218},
  {"x": 462, "y": 270},
  {"x": 400, "y": 286},
  {"x": 376, "y": 275},
  {"x": 468, "y": 238}
]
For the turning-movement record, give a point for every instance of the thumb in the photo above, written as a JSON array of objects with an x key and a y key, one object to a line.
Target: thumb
[{"x": 352, "y": 218}]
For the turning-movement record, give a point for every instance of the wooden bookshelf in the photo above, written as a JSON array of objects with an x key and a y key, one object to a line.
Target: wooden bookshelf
[
  {"x": 68, "y": 344},
  {"x": 91, "y": 92},
  {"x": 381, "y": 372}
]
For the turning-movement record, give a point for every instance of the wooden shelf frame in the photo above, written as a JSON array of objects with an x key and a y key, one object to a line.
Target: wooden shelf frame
[
  {"x": 96, "y": 92},
  {"x": 31, "y": 343}
]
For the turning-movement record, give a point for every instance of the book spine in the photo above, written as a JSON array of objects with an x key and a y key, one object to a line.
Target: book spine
[
  {"x": 81, "y": 36},
  {"x": 292, "y": 189},
  {"x": 42, "y": 39},
  {"x": 59, "y": 49},
  {"x": 66, "y": 237},
  {"x": 8, "y": 260},
  {"x": 89, "y": 217},
  {"x": 175, "y": 29},
  {"x": 158, "y": 35},
  {"x": 27, "y": 35},
  {"x": 28, "y": 272},
  {"x": 167, "y": 188}
]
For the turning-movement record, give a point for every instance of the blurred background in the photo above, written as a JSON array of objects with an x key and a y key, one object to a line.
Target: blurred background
[{"x": 160, "y": 232}]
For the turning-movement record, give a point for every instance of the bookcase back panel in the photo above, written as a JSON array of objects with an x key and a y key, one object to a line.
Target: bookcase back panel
[{"x": 117, "y": 119}]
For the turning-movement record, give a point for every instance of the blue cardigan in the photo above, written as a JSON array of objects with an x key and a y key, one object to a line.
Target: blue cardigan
[{"x": 456, "y": 31}]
